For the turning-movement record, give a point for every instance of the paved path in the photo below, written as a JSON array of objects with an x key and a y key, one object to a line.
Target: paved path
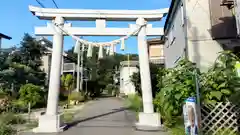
[{"x": 105, "y": 116}]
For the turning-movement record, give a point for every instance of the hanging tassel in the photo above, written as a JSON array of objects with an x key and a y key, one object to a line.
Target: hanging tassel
[
  {"x": 77, "y": 47},
  {"x": 122, "y": 44},
  {"x": 100, "y": 53},
  {"x": 89, "y": 52},
  {"x": 111, "y": 50},
  {"x": 107, "y": 50},
  {"x": 114, "y": 49}
]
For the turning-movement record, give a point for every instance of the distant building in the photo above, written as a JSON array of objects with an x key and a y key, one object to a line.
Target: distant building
[
  {"x": 198, "y": 30},
  {"x": 155, "y": 50},
  {"x": 67, "y": 67},
  {"x": 127, "y": 69}
]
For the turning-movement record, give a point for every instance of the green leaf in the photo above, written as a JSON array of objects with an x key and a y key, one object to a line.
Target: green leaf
[
  {"x": 216, "y": 94},
  {"x": 215, "y": 86},
  {"x": 226, "y": 91},
  {"x": 223, "y": 85},
  {"x": 211, "y": 102},
  {"x": 178, "y": 96}
]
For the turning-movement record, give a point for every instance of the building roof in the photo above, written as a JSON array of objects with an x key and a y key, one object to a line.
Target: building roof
[
  {"x": 5, "y": 36},
  {"x": 154, "y": 41},
  {"x": 48, "y": 45},
  {"x": 171, "y": 12}
]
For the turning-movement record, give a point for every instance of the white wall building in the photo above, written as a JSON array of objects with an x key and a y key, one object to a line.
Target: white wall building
[
  {"x": 198, "y": 30},
  {"x": 128, "y": 68}
]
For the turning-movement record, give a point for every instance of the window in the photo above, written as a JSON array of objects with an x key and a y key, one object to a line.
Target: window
[{"x": 182, "y": 15}]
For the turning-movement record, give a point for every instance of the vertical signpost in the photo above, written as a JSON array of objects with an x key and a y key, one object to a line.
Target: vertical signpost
[{"x": 192, "y": 111}]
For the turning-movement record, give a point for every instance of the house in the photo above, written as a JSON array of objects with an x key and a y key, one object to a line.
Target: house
[
  {"x": 198, "y": 30},
  {"x": 67, "y": 67},
  {"x": 155, "y": 50},
  {"x": 3, "y": 36},
  {"x": 127, "y": 69},
  {"x": 46, "y": 59}
]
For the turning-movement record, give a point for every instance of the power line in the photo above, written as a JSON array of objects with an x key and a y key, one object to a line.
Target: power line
[
  {"x": 54, "y": 2},
  {"x": 40, "y": 3}
]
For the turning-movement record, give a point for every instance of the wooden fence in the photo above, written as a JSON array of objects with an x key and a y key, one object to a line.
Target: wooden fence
[{"x": 221, "y": 119}]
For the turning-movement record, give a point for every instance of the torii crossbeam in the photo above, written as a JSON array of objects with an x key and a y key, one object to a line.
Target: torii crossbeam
[{"x": 50, "y": 122}]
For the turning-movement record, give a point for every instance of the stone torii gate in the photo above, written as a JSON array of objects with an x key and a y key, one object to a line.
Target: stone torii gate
[{"x": 50, "y": 122}]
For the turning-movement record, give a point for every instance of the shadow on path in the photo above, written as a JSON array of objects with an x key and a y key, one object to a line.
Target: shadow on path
[{"x": 72, "y": 124}]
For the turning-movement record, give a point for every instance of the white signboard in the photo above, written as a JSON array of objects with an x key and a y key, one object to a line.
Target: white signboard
[{"x": 190, "y": 116}]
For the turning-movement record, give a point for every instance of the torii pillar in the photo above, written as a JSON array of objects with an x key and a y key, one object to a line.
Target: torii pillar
[
  {"x": 50, "y": 121},
  {"x": 148, "y": 120}
]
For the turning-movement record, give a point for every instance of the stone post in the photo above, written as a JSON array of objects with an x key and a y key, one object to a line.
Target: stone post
[
  {"x": 50, "y": 122},
  {"x": 148, "y": 120}
]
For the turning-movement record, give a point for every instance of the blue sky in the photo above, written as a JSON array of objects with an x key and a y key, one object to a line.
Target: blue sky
[{"x": 17, "y": 20}]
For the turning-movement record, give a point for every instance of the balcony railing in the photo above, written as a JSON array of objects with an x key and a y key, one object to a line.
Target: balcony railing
[
  {"x": 157, "y": 60},
  {"x": 70, "y": 67}
]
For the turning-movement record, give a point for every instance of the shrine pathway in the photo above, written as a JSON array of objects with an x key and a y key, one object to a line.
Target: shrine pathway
[{"x": 105, "y": 116}]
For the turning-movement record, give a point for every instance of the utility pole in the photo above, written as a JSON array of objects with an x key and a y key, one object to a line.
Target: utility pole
[
  {"x": 78, "y": 69},
  {"x": 82, "y": 55},
  {"x": 79, "y": 49}
]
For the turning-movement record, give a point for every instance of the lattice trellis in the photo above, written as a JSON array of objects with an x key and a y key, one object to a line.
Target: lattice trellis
[{"x": 222, "y": 118}]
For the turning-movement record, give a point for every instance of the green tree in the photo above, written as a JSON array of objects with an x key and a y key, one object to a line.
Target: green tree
[
  {"x": 30, "y": 93},
  {"x": 31, "y": 52},
  {"x": 22, "y": 65},
  {"x": 101, "y": 71},
  {"x": 67, "y": 82},
  {"x": 154, "y": 70}
]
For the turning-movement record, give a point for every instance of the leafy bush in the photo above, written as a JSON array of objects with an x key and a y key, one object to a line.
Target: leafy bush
[
  {"x": 6, "y": 129},
  {"x": 226, "y": 131},
  {"x": 76, "y": 96},
  {"x": 134, "y": 102},
  {"x": 30, "y": 93},
  {"x": 220, "y": 83},
  {"x": 178, "y": 128},
  {"x": 11, "y": 119},
  {"x": 112, "y": 89},
  {"x": 18, "y": 106},
  {"x": 7, "y": 121},
  {"x": 67, "y": 82},
  {"x": 94, "y": 88},
  {"x": 177, "y": 85}
]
